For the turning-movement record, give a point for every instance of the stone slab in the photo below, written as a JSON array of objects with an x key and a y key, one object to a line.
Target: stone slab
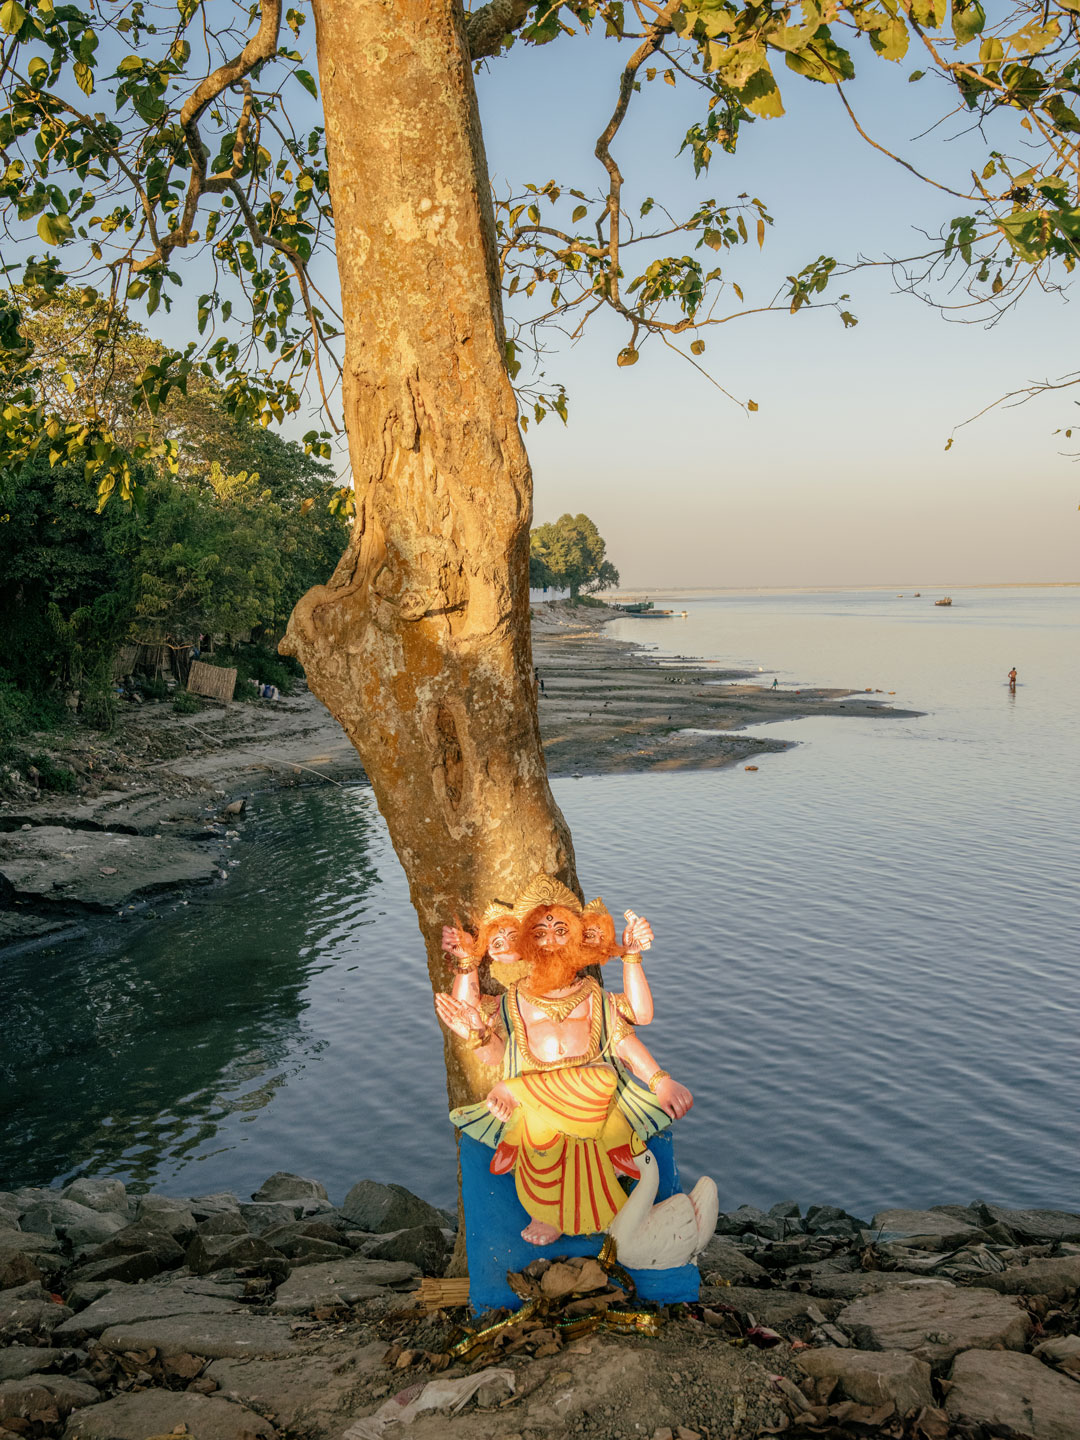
[
  {"x": 383, "y": 1208},
  {"x": 341, "y": 1282},
  {"x": 159, "y": 1412},
  {"x": 31, "y": 860},
  {"x": 1056, "y": 1278},
  {"x": 18, "y": 1361},
  {"x": 923, "y": 1229},
  {"x": 779, "y": 1309},
  {"x": 871, "y": 1282},
  {"x": 27, "y": 1309},
  {"x": 729, "y": 1263},
  {"x": 217, "y": 1337},
  {"x": 873, "y": 1377},
  {"x": 936, "y": 1324},
  {"x": 301, "y": 1392},
  {"x": 995, "y": 1387},
  {"x": 131, "y": 1304},
  {"x": 1034, "y": 1226}
]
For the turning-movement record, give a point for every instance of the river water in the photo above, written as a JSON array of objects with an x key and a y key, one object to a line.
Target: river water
[{"x": 866, "y": 964}]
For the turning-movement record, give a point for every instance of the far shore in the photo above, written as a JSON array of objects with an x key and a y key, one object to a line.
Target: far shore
[{"x": 151, "y": 818}]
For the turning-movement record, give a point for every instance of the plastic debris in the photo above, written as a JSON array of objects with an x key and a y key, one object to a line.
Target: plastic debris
[{"x": 449, "y": 1395}]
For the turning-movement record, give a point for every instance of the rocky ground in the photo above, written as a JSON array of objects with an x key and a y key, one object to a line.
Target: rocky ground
[
  {"x": 124, "y": 1317},
  {"x": 151, "y": 810}
]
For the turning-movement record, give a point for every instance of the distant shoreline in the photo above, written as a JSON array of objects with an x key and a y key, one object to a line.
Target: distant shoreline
[{"x": 609, "y": 708}]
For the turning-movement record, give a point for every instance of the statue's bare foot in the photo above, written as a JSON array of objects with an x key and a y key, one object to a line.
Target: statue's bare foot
[
  {"x": 501, "y": 1101},
  {"x": 539, "y": 1232}
]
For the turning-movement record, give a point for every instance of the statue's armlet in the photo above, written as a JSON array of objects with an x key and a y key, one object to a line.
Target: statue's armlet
[{"x": 621, "y": 1018}]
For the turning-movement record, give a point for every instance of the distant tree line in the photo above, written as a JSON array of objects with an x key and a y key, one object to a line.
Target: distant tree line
[{"x": 570, "y": 555}]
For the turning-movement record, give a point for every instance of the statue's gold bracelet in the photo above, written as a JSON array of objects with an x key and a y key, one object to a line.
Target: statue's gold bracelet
[
  {"x": 464, "y": 967},
  {"x": 655, "y": 1079},
  {"x": 631, "y": 959},
  {"x": 477, "y": 1039}
]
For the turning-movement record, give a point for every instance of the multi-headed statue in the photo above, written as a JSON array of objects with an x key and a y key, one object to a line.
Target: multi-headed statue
[{"x": 579, "y": 1095}]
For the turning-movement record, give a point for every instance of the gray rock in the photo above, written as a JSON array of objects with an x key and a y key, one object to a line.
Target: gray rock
[
  {"x": 923, "y": 1229},
  {"x": 994, "y": 1387},
  {"x": 874, "y": 1377},
  {"x": 141, "y": 1265},
  {"x": 133, "y": 1239},
  {"x": 283, "y": 1186},
  {"x": 421, "y": 1245},
  {"x": 26, "y": 1243},
  {"x": 1061, "y": 1348},
  {"x": 159, "y": 1412},
  {"x": 28, "y": 1310},
  {"x": 229, "y": 1252},
  {"x": 383, "y": 1208},
  {"x": 224, "y": 1222},
  {"x": 264, "y": 1215},
  {"x": 20, "y": 1398},
  {"x": 109, "y": 1196},
  {"x": 304, "y": 1393},
  {"x": 1056, "y": 1278},
  {"x": 780, "y": 1309},
  {"x": 73, "y": 1222},
  {"x": 341, "y": 1282},
  {"x": 871, "y": 1282},
  {"x": 1032, "y": 1227},
  {"x": 306, "y": 1250},
  {"x": 314, "y": 1229},
  {"x": 203, "y": 1206},
  {"x": 18, "y": 1268},
  {"x": 749, "y": 1219},
  {"x": 934, "y": 1323},
  {"x": 215, "y": 1336},
  {"x": 129, "y": 1304},
  {"x": 81, "y": 1295},
  {"x": 828, "y": 1220},
  {"x": 730, "y": 1265},
  {"x": 164, "y": 1213},
  {"x": 18, "y": 1361}
]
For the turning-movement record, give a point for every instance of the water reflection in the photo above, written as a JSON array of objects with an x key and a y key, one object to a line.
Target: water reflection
[{"x": 128, "y": 1059}]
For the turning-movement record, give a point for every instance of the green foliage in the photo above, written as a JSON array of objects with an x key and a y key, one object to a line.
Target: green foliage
[
  {"x": 569, "y": 555},
  {"x": 52, "y": 776},
  {"x": 185, "y": 703}
]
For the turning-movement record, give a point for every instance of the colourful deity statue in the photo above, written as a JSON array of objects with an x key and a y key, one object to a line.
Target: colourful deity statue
[{"x": 579, "y": 1097}]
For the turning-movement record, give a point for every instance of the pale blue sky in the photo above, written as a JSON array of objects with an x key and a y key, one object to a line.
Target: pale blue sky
[{"x": 841, "y": 477}]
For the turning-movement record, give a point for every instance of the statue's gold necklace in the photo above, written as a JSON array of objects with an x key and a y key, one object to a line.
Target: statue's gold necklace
[{"x": 559, "y": 1009}]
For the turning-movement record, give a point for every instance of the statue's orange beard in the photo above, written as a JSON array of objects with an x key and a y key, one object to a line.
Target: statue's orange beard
[{"x": 554, "y": 967}]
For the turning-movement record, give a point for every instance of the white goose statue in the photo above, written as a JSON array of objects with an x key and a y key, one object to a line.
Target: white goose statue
[{"x": 659, "y": 1237}]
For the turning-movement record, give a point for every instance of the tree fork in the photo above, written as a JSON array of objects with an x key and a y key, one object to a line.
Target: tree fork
[{"x": 419, "y": 644}]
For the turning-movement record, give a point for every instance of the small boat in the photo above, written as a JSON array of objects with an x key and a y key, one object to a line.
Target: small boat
[
  {"x": 946, "y": 600},
  {"x": 918, "y": 594},
  {"x": 645, "y": 610}
]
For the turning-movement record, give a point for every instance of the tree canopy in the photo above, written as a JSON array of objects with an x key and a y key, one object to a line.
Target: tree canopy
[
  {"x": 138, "y": 137},
  {"x": 569, "y": 555}
]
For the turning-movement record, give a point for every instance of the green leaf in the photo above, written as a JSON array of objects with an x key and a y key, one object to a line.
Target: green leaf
[
  {"x": 84, "y": 77},
  {"x": 822, "y": 60},
  {"x": 12, "y": 16},
  {"x": 136, "y": 289},
  {"x": 916, "y": 75},
  {"x": 968, "y": 19},
  {"x": 1027, "y": 232},
  {"x": 55, "y": 229},
  {"x": 890, "y": 40},
  {"x": 627, "y": 356},
  {"x": 1064, "y": 118},
  {"x": 761, "y": 94},
  {"x": 930, "y": 14},
  {"x": 38, "y": 72},
  {"x": 580, "y": 211},
  {"x": 307, "y": 80}
]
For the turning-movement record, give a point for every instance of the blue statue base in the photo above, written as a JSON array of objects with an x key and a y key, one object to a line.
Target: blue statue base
[{"x": 495, "y": 1218}]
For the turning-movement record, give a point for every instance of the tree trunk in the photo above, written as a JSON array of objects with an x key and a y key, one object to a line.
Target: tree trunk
[{"x": 420, "y": 645}]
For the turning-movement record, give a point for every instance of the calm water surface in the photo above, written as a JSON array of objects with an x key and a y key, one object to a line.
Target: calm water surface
[{"x": 866, "y": 965}]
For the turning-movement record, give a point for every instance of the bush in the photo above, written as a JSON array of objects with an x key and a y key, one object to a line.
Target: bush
[
  {"x": 155, "y": 689},
  {"x": 99, "y": 698},
  {"x": 185, "y": 703},
  {"x": 52, "y": 776}
]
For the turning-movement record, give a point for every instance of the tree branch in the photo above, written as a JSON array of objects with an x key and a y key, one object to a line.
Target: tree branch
[{"x": 486, "y": 29}]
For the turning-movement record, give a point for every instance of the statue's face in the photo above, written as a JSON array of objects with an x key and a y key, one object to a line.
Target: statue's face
[
  {"x": 553, "y": 929},
  {"x": 502, "y": 941},
  {"x": 591, "y": 933}
]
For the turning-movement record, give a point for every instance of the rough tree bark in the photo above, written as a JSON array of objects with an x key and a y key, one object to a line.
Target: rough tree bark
[{"x": 420, "y": 644}]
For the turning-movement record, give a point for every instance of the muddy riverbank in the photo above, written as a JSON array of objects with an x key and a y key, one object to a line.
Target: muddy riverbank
[{"x": 154, "y": 807}]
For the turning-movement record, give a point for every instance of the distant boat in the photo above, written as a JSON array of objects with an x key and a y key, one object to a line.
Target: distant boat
[
  {"x": 645, "y": 610},
  {"x": 918, "y": 594},
  {"x": 946, "y": 600}
]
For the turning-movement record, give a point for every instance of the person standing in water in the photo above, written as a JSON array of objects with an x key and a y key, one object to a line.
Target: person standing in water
[{"x": 1012, "y": 679}]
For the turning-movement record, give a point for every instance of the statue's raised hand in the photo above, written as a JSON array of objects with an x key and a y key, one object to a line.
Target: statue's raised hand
[
  {"x": 452, "y": 943},
  {"x": 462, "y": 1019},
  {"x": 638, "y": 934}
]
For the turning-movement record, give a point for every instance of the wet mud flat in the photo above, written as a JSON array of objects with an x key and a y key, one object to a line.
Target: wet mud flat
[
  {"x": 124, "y": 1315},
  {"x": 610, "y": 707}
]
